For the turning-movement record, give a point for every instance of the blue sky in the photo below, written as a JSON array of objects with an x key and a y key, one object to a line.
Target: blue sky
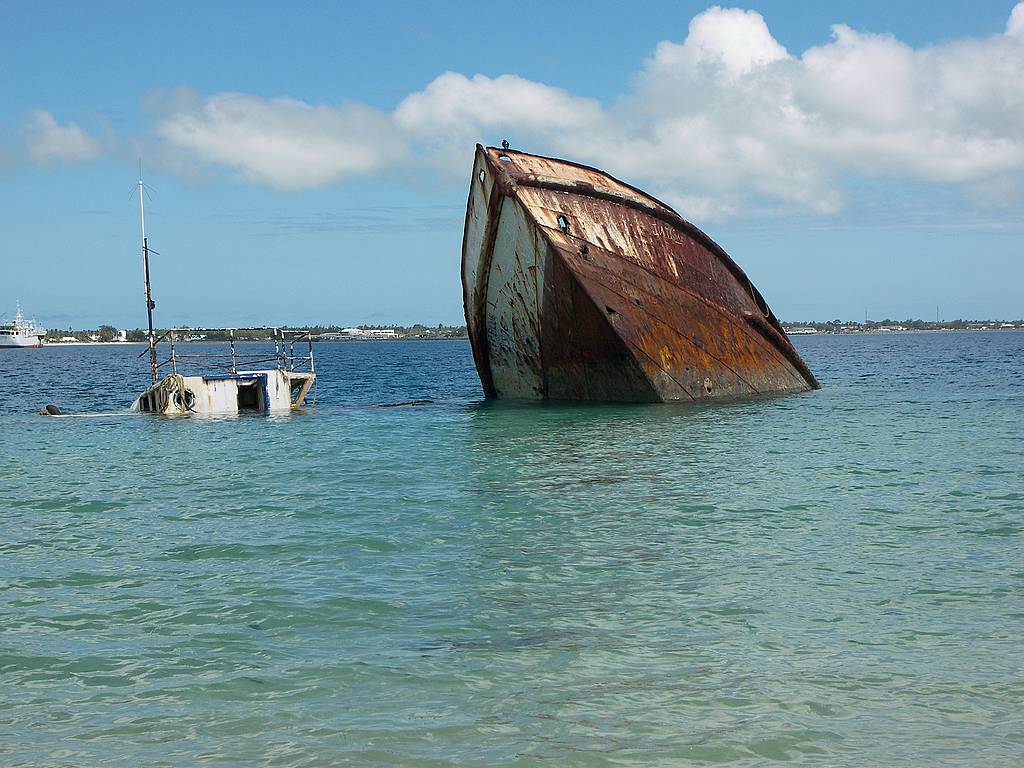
[{"x": 311, "y": 166}]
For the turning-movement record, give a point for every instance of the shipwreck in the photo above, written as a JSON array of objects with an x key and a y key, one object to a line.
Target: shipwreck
[
  {"x": 577, "y": 286},
  {"x": 209, "y": 381}
]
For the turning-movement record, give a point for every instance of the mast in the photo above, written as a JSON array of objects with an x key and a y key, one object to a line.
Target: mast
[{"x": 150, "y": 305}]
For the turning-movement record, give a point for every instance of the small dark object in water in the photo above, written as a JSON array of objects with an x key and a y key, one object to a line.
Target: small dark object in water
[
  {"x": 407, "y": 402},
  {"x": 50, "y": 410}
]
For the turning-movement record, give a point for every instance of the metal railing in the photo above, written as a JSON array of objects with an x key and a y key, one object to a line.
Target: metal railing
[{"x": 284, "y": 357}]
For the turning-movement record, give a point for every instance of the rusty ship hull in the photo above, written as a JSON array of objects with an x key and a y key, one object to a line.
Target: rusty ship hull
[{"x": 578, "y": 286}]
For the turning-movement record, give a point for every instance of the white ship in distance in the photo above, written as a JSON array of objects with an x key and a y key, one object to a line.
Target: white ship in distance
[{"x": 20, "y": 333}]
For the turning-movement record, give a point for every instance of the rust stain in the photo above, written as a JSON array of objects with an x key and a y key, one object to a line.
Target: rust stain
[{"x": 632, "y": 302}]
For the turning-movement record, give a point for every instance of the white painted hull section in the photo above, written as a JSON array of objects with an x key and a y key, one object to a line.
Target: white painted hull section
[
  {"x": 514, "y": 283},
  {"x": 20, "y": 342},
  {"x": 514, "y": 292}
]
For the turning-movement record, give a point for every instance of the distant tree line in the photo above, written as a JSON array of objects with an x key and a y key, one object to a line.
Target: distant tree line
[
  {"x": 441, "y": 331},
  {"x": 103, "y": 333},
  {"x": 110, "y": 333},
  {"x": 909, "y": 324}
]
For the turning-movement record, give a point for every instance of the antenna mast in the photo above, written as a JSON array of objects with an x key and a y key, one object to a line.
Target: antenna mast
[{"x": 150, "y": 304}]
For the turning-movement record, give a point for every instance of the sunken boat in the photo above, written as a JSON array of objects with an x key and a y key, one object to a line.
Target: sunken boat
[
  {"x": 208, "y": 382},
  {"x": 578, "y": 286}
]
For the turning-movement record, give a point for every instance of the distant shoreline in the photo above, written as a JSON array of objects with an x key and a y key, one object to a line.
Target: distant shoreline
[
  {"x": 859, "y": 332},
  {"x": 92, "y": 343},
  {"x": 892, "y": 331}
]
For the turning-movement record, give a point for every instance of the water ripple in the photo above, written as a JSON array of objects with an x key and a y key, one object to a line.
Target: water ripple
[{"x": 830, "y": 579}]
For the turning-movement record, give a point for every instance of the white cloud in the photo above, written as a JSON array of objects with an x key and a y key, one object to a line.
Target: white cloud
[
  {"x": 1015, "y": 25},
  {"x": 724, "y": 123},
  {"x": 453, "y": 102},
  {"x": 48, "y": 141},
  {"x": 726, "y": 41},
  {"x": 453, "y": 112},
  {"x": 727, "y": 121},
  {"x": 284, "y": 143}
]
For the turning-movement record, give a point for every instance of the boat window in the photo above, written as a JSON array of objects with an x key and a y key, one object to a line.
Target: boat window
[
  {"x": 248, "y": 396},
  {"x": 505, "y": 158},
  {"x": 482, "y": 174},
  {"x": 563, "y": 224}
]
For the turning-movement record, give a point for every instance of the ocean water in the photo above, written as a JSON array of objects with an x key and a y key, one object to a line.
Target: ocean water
[{"x": 833, "y": 579}]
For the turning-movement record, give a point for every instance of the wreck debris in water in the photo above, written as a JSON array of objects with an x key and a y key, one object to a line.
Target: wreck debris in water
[
  {"x": 577, "y": 286},
  {"x": 227, "y": 382},
  {"x": 231, "y": 382}
]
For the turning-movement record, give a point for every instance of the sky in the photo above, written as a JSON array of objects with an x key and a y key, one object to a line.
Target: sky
[{"x": 311, "y": 165}]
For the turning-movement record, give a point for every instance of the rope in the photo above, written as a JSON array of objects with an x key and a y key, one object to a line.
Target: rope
[{"x": 172, "y": 383}]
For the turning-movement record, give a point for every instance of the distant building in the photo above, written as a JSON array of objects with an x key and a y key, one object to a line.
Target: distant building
[{"x": 359, "y": 334}]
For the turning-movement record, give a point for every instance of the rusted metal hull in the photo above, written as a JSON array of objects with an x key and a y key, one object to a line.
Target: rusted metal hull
[{"x": 577, "y": 286}]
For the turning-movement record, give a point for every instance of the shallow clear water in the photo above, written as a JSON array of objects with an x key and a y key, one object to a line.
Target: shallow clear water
[{"x": 834, "y": 578}]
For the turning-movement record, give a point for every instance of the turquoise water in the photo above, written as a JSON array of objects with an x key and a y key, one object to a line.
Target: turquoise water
[{"x": 832, "y": 579}]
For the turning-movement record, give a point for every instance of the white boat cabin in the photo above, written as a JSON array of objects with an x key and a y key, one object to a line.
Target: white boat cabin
[{"x": 236, "y": 383}]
